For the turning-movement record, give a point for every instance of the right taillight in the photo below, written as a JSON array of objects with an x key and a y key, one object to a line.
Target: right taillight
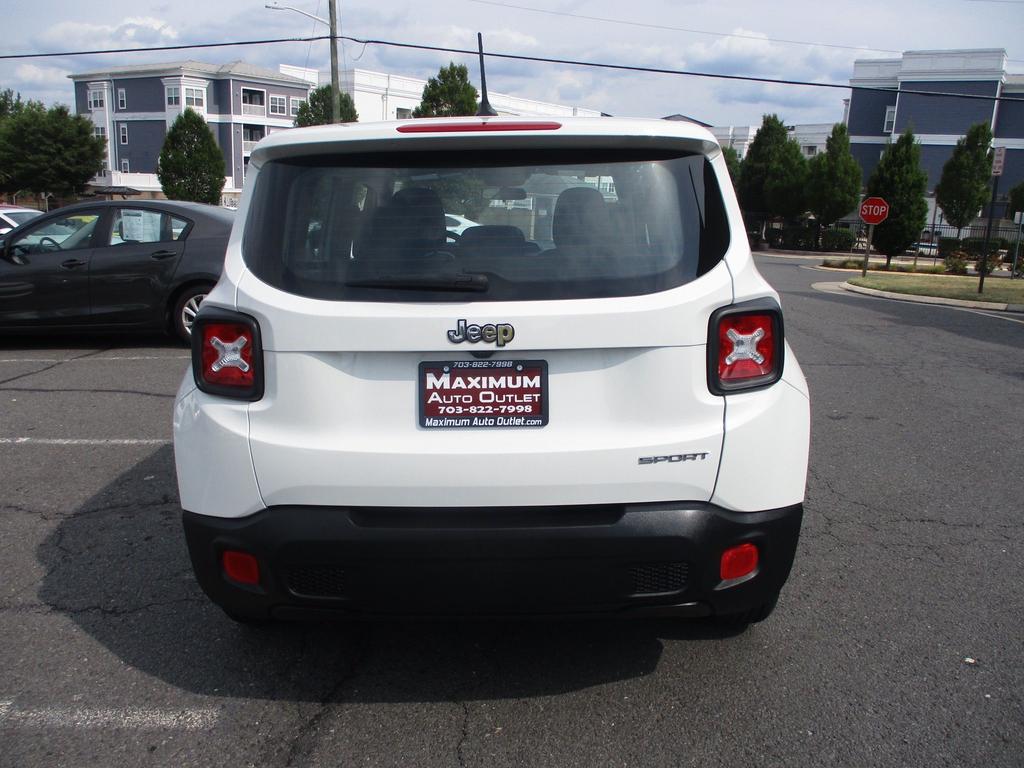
[
  {"x": 745, "y": 347},
  {"x": 227, "y": 355}
]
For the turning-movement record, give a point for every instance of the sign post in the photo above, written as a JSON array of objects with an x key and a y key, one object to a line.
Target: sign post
[
  {"x": 1018, "y": 219},
  {"x": 874, "y": 210},
  {"x": 998, "y": 159}
]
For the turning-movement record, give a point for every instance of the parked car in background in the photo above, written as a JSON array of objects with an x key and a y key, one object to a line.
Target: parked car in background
[
  {"x": 13, "y": 215},
  {"x": 456, "y": 224},
  {"x": 112, "y": 265}
]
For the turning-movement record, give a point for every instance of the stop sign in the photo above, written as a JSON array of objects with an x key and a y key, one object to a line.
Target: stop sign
[{"x": 874, "y": 210}]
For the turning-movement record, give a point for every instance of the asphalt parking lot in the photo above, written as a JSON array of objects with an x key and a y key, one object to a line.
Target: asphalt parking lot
[{"x": 899, "y": 640}]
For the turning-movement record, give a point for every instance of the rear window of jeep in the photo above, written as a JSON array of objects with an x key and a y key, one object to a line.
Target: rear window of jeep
[{"x": 485, "y": 226}]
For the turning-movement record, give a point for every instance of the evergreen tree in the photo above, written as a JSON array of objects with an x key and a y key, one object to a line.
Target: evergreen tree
[
  {"x": 317, "y": 109},
  {"x": 732, "y": 162},
  {"x": 963, "y": 188},
  {"x": 785, "y": 189},
  {"x": 191, "y": 164},
  {"x": 900, "y": 181},
  {"x": 450, "y": 94},
  {"x": 770, "y": 137},
  {"x": 834, "y": 182},
  {"x": 1016, "y": 200},
  {"x": 773, "y": 178},
  {"x": 48, "y": 151}
]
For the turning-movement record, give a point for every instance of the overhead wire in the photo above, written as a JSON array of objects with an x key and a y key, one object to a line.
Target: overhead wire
[
  {"x": 523, "y": 57},
  {"x": 711, "y": 33}
]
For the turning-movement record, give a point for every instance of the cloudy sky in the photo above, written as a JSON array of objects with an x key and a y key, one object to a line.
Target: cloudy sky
[{"x": 814, "y": 40}]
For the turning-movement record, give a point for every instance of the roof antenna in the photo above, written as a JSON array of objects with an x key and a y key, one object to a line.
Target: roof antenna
[{"x": 485, "y": 110}]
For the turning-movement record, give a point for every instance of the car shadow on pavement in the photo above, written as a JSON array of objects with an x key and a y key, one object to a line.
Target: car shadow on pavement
[{"x": 119, "y": 568}]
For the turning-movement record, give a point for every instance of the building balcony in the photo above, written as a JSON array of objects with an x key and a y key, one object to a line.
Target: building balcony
[{"x": 254, "y": 109}]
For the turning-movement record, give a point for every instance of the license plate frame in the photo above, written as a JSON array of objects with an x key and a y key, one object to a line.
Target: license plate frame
[{"x": 521, "y": 404}]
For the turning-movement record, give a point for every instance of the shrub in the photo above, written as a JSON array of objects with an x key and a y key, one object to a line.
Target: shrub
[
  {"x": 972, "y": 246},
  {"x": 837, "y": 240},
  {"x": 947, "y": 245},
  {"x": 956, "y": 263}
]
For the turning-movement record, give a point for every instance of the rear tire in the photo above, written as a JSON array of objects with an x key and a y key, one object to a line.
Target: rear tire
[
  {"x": 738, "y": 622},
  {"x": 184, "y": 311}
]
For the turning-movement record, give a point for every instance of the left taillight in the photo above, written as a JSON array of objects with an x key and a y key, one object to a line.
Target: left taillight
[
  {"x": 227, "y": 355},
  {"x": 745, "y": 346}
]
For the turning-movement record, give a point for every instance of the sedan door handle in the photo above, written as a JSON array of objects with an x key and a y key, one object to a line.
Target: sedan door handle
[
  {"x": 72, "y": 263},
  {"x": 161, "y": 255}
]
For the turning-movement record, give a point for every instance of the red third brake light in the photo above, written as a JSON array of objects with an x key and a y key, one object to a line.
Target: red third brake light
[{"x": 482, "y": 126}]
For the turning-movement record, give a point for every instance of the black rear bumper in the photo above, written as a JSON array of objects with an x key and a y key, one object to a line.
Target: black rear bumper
[{"x": 657, "y": 559}]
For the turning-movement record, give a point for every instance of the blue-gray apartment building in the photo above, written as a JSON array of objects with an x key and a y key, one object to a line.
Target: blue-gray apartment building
[
  {"x": 876, "y": 117},
  {"x": 133, "y": 106}
]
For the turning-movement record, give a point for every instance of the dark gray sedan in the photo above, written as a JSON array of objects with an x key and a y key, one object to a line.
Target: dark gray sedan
[{"x": 112, "y": 265}]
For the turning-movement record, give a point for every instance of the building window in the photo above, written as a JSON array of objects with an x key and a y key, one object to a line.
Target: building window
[
  {"x": 95, "y": 99},
  {"x": 403, "y": 113},
  {"x": 195, "y": 97},
  {"x": 124, "y": 166},
  {"x": 810, "y": 150},
  {"x": 173, "y": 96},
  {"x": 124, "y": 133},
  {"x": 99, "y": 131},
  {"x": 295, "y": 106},
  {"x": 278, "y": 105},
  {"x": 890, "y": 120},
  {"x": 122, "y": 99}
]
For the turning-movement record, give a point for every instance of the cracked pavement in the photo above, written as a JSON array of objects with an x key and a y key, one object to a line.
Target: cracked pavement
[{"x": 899, "y": 640}]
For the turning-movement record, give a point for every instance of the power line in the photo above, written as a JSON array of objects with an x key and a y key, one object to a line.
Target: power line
[
  {"x": 683, "y": 72},
  {"x": 670, "y": 28},
  {"x": 521, "y": 57},
  {"x": 149, "y": 49}
]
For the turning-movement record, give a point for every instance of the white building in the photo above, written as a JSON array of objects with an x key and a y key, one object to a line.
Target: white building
[
  {"x": 811, "y": 137},
  {"x": 381, "y": 96}
]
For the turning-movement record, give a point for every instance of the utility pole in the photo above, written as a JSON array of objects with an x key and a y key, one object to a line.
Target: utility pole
[
  {"x": 335, "y": 78},
  {"x": 333, "y": 24}
]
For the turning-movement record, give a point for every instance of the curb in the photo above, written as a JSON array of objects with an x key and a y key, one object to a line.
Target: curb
[{"x": 989, "y": 305}]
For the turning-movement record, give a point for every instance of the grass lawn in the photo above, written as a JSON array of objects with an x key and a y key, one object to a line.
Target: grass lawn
[{"x": 998, "y": 289}]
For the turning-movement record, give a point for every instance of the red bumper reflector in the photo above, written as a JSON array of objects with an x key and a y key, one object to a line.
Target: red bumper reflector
[
  {"x": 483, "y": 125},
  {"x": 738, "y": 561},
  {"x": 241, "y": 567}
]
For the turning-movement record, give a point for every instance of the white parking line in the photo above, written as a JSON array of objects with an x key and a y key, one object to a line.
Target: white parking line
[
  {"x": 89, "y": 359},
  {"x": 125, "y": 717},
  {"x": 81, "y": 441}
]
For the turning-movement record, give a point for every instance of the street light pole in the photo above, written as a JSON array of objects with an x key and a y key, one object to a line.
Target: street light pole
[{"x": 332, "y": 23}]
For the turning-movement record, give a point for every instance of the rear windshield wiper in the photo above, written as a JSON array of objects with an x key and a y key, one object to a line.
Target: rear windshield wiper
[{"x": 466, "y": 281}]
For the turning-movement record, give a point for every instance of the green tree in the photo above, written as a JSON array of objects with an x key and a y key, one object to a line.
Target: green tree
[
  {"x": 773, "y": 178},
  {"x": 191, "y": 164},
  {"x": 317, "y": 109},
  {"x": 450, "y": 94},
  {"x": 963, "y": 188},
  {"x": 900, "y": 181},
  {"x": 833, "y": 187},
  {"x": 48, "y": 151},
  {"x": 732, "y": 162},
  {"x": 10, "y": 103},
  {"x": 1016, "y": 200}
]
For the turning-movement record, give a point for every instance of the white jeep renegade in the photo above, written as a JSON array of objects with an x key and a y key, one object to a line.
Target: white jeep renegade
[{"x": 582, "y": 404}]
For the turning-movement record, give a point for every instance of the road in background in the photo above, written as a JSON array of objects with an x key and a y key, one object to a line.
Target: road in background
[{"x": 898, "y": 641}]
